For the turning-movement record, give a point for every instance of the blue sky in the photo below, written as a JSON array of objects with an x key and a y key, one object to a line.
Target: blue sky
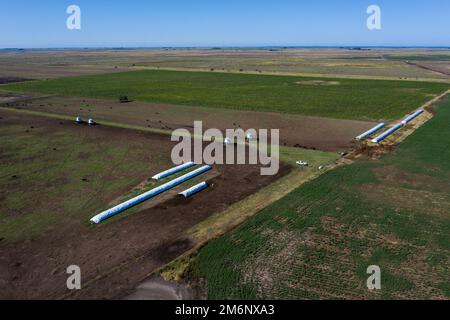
[{"x": 34, "y": 24}]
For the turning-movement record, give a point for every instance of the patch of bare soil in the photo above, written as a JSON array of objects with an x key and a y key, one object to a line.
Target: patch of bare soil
[
  {"x": 371, "y": 151},
  {"x": 395, "y": 176},
  {"x": 318, "y": 83},
  {"x": 418, "y": 200}
]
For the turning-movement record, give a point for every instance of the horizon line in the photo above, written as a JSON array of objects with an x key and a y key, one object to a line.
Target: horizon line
[{"x": 234, "y": 47}]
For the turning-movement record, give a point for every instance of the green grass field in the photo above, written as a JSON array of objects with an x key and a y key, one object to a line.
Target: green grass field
[
  {"x": 318, "y": 241},
  {"x": 335, "y": 98}
]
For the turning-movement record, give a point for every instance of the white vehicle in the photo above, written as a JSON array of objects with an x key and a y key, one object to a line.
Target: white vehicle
[
  {"x": 91, "y": 122},
  {"x": 302, "y": 163}
]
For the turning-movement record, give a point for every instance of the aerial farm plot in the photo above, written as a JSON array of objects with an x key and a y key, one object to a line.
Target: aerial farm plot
[
  {"x": 353, "y": 99},
  {"x": 317, "y": 242},
  {"x": 57, "y": 174},
  {"x": 295, "y": 130}
]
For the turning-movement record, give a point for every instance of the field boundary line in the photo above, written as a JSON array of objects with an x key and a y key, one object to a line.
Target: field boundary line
[
  {"x": 101, "y": 122},
  {"x": 292, "y": 74}
]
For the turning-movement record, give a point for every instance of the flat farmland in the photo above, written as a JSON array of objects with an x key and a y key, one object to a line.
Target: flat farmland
[
  {"x": 323, "y": 97},
  {"x": 317, "y": 242},
  {"x": 307, "y": 232},
  {"x": 295, "y": 130},
  {"x": 30, "y": 71},
  {"x": 56, "y": 175},
  {"x": 39, "y": 64},
  {"x": 335, "y": 62}
]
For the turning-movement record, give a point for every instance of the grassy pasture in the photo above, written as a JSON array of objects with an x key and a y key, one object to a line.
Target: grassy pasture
[
  {"x": 318, "y": 241},
  {"x": 51, "y": 172},
  {"x": 325, "y": 97}
]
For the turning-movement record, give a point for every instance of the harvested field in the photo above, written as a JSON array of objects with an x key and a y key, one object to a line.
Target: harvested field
[
  {"x": 56, "y": 174},
  {"x": 33, "y": 70},
  {"x": 295, "y": 130}
]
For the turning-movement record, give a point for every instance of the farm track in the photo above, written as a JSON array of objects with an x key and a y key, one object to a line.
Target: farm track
[
  {"x": 418, "y": 65},
  {"x": 301, "y": 74}
]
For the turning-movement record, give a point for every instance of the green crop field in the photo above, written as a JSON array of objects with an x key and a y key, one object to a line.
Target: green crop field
[
  {"x": 335, "y": 98},
  {"x": 318, "y": 241}
]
